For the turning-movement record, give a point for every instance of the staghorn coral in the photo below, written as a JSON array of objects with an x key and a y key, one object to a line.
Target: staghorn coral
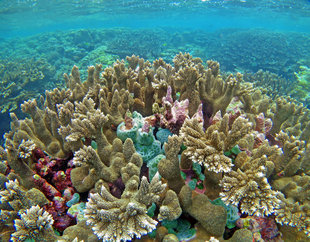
[
  {"x": 250, "y": 188},
  {"x": 79, "y": 124},
  {"x": 291, "y": 161},
  {"x": 122, "y": 219},
  {"x": 105, "y": 163},
  {"x": 208, "y": 147},
  {"x": 35, "y": 224},
  {"x": 188, "y": 77},
  {"x": 255, "y": 102},
  {"x": 215, "y": 93},
  {"x": 291, "y": 117},
  {"x": 169, "y": 167}
]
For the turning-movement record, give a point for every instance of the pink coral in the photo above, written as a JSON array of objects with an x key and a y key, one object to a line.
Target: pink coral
[{"x": 175, "y": 113}]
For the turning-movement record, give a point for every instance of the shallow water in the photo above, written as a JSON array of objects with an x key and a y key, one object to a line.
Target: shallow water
[
  {"x": 24, "y": 18},
  {"x": 268, "y": 41},
  {"x": 238, "y": 34}
]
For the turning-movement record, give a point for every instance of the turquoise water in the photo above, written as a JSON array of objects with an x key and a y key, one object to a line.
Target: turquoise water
[
  {"x": 268, "y": 41},
  {"x": 241, "y": 35},
  {"x": 24, "y": 18}
]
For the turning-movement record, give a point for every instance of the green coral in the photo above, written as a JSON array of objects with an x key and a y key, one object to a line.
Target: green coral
[
  {"x": 232, "y": 212},
  {"x": 145, "y": 143},
  {"x": 181, "y": 228}
]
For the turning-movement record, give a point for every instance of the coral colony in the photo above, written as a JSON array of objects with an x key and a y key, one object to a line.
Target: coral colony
[{"x": 155, "y": 151}]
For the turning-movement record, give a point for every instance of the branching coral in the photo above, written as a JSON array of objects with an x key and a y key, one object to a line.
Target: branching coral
[
  {"x": 15, "y": 200},
  {"x": 208, "y": 147},
  {"x": 293, "y": 151},
  {"x": 34, "y": 224},
  {"x": 252, "y": 189},
  {"x": 116, "y": 219},
  {"x": 293, "y": 214},
  {"x": 105, "y": 163},
  {"x": 169, "y": 167},
  {"x": 215, "y": 93}
]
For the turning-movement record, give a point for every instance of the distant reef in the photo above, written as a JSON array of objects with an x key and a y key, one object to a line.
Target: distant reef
[{"x": 29, "y": 66}]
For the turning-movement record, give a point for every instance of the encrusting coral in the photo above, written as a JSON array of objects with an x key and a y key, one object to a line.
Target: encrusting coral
[{"x": 106, "y": 138}]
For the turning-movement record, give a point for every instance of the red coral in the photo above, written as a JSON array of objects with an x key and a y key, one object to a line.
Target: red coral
[{"x": 49, "y": 191}]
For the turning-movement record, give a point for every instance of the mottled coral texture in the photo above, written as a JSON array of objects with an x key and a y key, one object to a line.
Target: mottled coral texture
[{"x": 251, "y": 150}]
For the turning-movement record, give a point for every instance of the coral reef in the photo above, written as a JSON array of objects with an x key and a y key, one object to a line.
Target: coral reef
[
  {"x": 17, "y": 78},
  {"x": 128, "y": 214},
  {"x": 141, "y": 150},
  {"x": 34, "y": 224}
]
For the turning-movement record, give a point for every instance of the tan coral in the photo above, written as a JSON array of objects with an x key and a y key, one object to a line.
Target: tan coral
[
  {"x": 293, "y": 214},
  {"x": 251, "y": 189},
  {"x": 293, "y": 152},
  {"x": 114, "y": 219},
  {"x": 291, "y": 117},
  {"x": 34, "y": 224},
  {"x": 169, "y": 167},
  {"x": 215, "y": 93},
  {"x": 208, "y": 147},
  {"x": 187, "y": 79},
  {"x": 183, "y": 60},
  {"x": 170, "y": 207}
]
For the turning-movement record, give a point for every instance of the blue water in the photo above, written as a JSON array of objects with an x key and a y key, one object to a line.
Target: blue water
[
  {"x": 24, "y": 18},
  {"x": 226, "y": 31},
  {"x": 268, "y": 41},
  {"x": 238, "y": 34}
]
